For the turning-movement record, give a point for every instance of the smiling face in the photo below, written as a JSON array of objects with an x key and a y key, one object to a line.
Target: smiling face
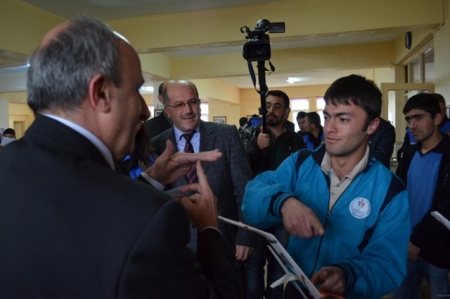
[
  {"x": 128, "y": 108},
  {"x": 421, "y": 124},
  {"x": 344, "y": 130},
  {"x": 179, "y": 94}
]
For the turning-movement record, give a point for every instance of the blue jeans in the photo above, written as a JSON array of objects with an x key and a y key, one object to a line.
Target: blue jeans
[
  {"x": 255, "y": 267},
  {"x": 418, "y": 270}
]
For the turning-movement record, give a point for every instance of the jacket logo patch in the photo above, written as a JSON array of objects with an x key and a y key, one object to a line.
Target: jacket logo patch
[{"x": 360, "y": 207}]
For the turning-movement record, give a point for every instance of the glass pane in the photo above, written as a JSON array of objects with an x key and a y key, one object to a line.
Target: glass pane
[
  {"x": 429, "y": 65},
  {"x": 415, "y": 71},
  {"x": 300, "y": 104},
  {"x": 320, "y": 102}
]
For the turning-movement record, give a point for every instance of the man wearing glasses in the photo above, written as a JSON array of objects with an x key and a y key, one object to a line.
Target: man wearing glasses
[{"x": 227, "y": 176}]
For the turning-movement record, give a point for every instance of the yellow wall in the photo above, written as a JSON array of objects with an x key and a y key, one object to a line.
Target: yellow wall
[{"x": 20, "y": 118}]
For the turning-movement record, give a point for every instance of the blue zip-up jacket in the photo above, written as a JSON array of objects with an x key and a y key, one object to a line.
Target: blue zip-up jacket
[{"x": 366, "y": 232}]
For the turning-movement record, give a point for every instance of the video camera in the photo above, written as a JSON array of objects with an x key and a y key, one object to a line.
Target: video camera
[{"x": 257, "y": 48}]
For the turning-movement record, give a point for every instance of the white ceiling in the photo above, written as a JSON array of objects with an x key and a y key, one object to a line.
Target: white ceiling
[{"x": 117, "y": 9}]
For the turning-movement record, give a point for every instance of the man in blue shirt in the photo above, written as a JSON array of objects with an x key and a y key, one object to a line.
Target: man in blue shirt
[{"x": 425, "y": 170}]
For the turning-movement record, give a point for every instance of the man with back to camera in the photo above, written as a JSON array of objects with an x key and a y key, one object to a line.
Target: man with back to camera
[
  {"x": 425, "y": 168},
  {"x": 346, "y": 213},
  {"x": 266, "y": 151},
  {"x": 313, "y": 130},
  {"x": 382, "y": 141},
  {"x": 227, "y": 176},
  {"x": 160, "y": 123},
  {"x": 79, "y": 229}
]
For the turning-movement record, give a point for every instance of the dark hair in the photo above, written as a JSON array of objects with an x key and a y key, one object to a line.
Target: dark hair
[
  {"x": 301, "y": 114},
  {"x": 160, "y": 89},
  {"x": 356, "y": 90},
  {"x": 314, "y": 118},
  {"x": 60, "y": 72},
  {"x": 280, "y": 94},
  {"x": 243, "y": 121},
  {"x": 439, "y": 97},
  {"x": 9, "y": 131},
  {"x": 423, "y": 101}
]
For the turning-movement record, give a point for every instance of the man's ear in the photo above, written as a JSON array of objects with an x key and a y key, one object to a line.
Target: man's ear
[
  {"x": 99, "y": 93},
  {"x": 373, "y": 125},
  {"x": 438, "y": 118}
]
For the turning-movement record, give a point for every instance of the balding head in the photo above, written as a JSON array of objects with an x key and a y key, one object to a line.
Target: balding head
[{"x": 68, "y": 57}]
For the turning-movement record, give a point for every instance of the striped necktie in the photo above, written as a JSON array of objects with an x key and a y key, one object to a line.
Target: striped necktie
[{"x": 191, "y": 176}]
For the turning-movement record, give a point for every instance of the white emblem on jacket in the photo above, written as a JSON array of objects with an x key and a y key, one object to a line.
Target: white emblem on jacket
[{"x": 360, "y": 207}]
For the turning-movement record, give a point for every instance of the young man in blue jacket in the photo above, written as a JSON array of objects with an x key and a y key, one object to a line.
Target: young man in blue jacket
[
  {"x": 425, "y": 169},
  {"x": 347, "y": 214}
]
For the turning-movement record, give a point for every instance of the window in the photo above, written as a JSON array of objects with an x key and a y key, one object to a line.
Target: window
[
  {"x": 298, "y": 105},
  {"x": 204, "y": 111},
  {"x": 421, "y": 68},
  {"x": 152, "y": 111},
  {"x": 320, "y": 104}
]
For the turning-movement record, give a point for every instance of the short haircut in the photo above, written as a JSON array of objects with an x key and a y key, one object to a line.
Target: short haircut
[
  {"x": 423, "y": 101},
  {"x": 314, "y": 118},
  {"x": 243, "y": 121},
  {"x": 301, "y": 114},
  {"x": 184, "y": 82},
  {"x": 440, "y": 98},
  {"x": 160, "y": 89},
  {"x": 280, "y": 94},
  {"x": 356, "y": 90},
  {"x": 9, "y": 131},
  {"x": 60, "y": 72}
]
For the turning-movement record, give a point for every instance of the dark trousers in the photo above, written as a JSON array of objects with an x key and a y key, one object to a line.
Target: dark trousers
[{"x": 256, "y": 288}]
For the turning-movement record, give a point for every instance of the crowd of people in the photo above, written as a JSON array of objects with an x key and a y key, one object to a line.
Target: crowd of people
[{"x": 108, "y": 203}]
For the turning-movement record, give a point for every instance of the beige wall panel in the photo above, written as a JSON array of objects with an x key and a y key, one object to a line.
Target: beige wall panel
[
  {"x": 22, "y": 26},
  {"x": 338, "y": 57},
  {"x": 306, "y": 18}
]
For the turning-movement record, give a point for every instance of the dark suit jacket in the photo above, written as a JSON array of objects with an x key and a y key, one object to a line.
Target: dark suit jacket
[
  {"x": 71, "y": 227},
  {"x": 157, "y": 125},
  {"x": 227, "y": 177}
]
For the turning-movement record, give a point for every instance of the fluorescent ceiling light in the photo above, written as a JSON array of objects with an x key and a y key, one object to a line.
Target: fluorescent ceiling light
[{"x": 292, "y": 80}]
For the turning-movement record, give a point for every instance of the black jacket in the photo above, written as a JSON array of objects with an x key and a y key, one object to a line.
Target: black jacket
[
  {"x": 430, "y": 235},
  {"x": 259, "y": 159}
]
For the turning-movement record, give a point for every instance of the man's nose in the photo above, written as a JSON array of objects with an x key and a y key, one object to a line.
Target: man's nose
[{"x": 145, "y": 113}]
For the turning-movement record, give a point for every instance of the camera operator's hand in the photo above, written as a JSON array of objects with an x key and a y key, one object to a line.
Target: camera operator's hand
[{"x": 263, "y": 140}]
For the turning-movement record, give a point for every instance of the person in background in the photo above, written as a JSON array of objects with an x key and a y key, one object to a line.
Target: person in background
[
  {"x": 80, "y": 228},
  {"x": 382, "y": 141},
  {"x": 425, "y": 168},
  {"x": 227, "y": 176},
  {"x": 158, "y": 124},
  {"x": 9, "y": 133},
  {"x": 347, "y": 214},
  {"x": 301, "y": 121},
  {"x": 266, "y": 151},
  {"x": 444, "y": 127},
  {"x": 142, "y": 158},
  {"x": 243, "y": 123},
  {"x": 313, "y": 130}
]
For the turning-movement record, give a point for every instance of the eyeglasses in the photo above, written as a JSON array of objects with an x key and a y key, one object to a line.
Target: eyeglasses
[{"x": 181, "y": 105}]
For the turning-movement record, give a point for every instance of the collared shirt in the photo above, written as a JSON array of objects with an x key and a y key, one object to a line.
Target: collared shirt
[
  {"x": 86, "y": 133},
  {"x": 181, "y": 141},
  {"x": 337, "y": 187}
]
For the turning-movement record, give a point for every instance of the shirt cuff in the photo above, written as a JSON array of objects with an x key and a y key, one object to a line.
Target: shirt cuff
[{"x": 153, "y": 182}]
